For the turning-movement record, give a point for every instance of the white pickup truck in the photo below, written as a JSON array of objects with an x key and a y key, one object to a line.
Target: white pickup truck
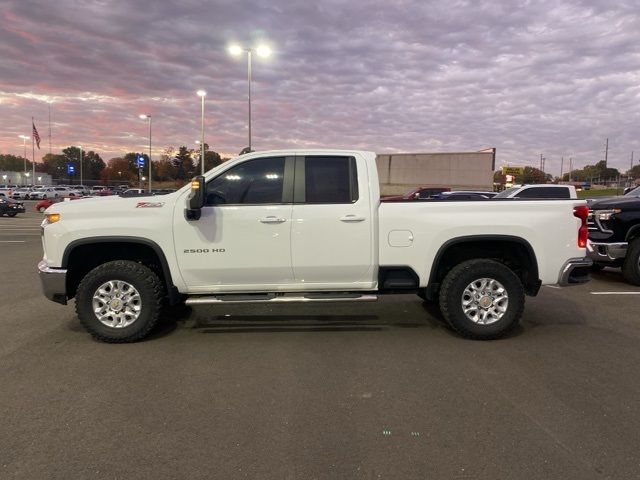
[{"x": 305, "y": 226}]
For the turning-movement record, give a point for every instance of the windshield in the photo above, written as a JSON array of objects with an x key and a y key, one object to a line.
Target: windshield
[
  {"x": 506, "y": 193},
  {"x": 634, "y": 193}
]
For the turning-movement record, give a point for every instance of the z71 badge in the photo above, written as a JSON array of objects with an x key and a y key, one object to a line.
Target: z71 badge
[{"x": 149, "y": 204}]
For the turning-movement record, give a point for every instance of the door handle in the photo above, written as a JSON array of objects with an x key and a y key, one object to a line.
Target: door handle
[
  {"x": 352, "y": 218},
  {"x": 273, "y": 219}
]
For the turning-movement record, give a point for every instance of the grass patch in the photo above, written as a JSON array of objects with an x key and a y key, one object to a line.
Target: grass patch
[{"x": 603, "y": 192}]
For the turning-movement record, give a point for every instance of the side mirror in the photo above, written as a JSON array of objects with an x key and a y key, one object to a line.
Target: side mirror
[{"x": 196, "y": 199}]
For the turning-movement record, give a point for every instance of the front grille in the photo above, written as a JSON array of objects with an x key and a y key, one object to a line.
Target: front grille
[{"x": 591, "y": 223}]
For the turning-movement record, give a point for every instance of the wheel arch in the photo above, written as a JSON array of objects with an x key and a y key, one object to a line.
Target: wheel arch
[
  {"x": 104, "y": 249},
  {"x": 633, "y": 233},
  {"x": 513, "y": 248}
]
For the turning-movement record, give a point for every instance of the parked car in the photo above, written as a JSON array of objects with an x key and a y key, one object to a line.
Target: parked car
[
  {"x": 541, "y": 191},
  {"x": 135, "y": 192},
  {"x": 98, "y": 188},
  {"x": 48, "y": 192},
  {"x": 465, "y": 195},
  {"x": 10, "y": 207},
  {"x": 42, "y": 205},
  {"x": 418, "y": 193},
  {"x": 305, "y": 226},
  {"x": 614, "y": 234},
  {"x": 22, "y": 192}
]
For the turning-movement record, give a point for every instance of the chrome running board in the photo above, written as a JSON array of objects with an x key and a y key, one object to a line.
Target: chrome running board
[{"x": 279, "y": 298}]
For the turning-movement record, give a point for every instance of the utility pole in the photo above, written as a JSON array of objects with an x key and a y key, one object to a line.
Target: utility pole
[
  {"x": 540, "y": 161},
  {"x": 570, "y": 168},
  {"x": 606, "y": 153},
  {"x": 561, "y": 167}
]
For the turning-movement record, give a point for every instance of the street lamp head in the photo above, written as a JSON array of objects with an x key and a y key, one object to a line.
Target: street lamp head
[
  {"x": 263, "y": 51},
  {"x": 235, "y": 50},
  {"x": 201, "y": 93},
  {"x": 24, "y": 137},
  {"x": 144, "y": 116},
  {"x": 198, "y": 142}
]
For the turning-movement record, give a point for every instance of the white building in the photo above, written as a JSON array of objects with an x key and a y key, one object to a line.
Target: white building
[{"x": 24, "y": 178}]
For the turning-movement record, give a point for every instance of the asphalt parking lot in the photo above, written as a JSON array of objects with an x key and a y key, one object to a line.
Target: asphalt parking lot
[{"x": 367, "y": 391}]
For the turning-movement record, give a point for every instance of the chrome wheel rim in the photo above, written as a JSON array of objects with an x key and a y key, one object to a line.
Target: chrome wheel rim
[
  {"x": 485, "y": 301},
  {"x": 117, "y": 304}
]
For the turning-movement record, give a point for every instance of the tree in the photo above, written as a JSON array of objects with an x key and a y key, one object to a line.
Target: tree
[
  {"x": 13, "y": 163},
  {"x": 533, "y": 175},
  {"x": 599, "y": 171},
  {"x": 183, "y": 164},
  {"x": 119, "y": 170},
  {"x": 211, "y": 159},
  {"x": 634, "y": 172},
  {"x": 92, "y": 164},
  {"x": 55, "y": 165}
]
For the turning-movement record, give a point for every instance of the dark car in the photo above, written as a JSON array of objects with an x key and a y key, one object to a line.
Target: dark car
[
  {"x": 418, "y": 193},
  {"x": 614, "y": 234},
  {"x": 10, "y": 207},
  {"x": 465, "y": 195}
]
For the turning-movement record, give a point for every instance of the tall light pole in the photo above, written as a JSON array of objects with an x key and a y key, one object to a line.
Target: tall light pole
[
  {"x": 202, "y": 94},
  {"x": 24, "y": 144},
  {"x": 81, "y": 181},
  {"x": 262, "y": 51},
  {"x": 143, "y": 116}
]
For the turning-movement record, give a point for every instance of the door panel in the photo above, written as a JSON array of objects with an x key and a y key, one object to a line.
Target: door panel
[
  {"x": 242, "y": 240},
  {"x": 331, "y": 229}
]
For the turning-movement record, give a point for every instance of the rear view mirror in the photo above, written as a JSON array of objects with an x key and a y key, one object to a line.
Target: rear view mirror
[{"x": 196, "y": 198}]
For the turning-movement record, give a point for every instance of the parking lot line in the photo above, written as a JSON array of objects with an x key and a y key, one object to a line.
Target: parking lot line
[
  {"x": 19, "y": 234},
  {"x": 615, "y": 293},
  {"x": 12, "y": 241}
]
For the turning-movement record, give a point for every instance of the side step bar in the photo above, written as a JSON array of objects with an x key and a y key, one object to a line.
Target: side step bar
[{"x": 273, "y": 298}]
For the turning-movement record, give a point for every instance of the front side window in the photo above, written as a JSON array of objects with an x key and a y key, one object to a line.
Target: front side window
[
  {"x": 253, "y": 182},
  {"x": 330, "y": 180}
]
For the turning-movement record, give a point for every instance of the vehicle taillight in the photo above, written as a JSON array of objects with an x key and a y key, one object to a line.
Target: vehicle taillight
[{"x": 582, "y": 213}]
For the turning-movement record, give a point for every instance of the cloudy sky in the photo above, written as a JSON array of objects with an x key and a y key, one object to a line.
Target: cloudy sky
[{"x": 527, "y": 77}]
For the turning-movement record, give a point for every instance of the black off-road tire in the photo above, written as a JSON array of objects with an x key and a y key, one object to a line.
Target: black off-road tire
[
  {"x": 142, "y": 278},
  {"x": 454, "y": 285},
  {"x": 12, "y": 214},
  {"x": 631, "y": 265}
]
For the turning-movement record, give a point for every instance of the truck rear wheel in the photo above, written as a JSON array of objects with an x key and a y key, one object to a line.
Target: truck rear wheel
[
  {"x": 482, "y": 299},
  {"x": 631, "y": 265},
  {"x": 119, "y": 301}
]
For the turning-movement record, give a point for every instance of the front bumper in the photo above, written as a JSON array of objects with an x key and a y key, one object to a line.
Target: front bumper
[
  {"x": 54, "y": 282},
  {"x": 575, "y": 272},
  {"x": 606, "y": 252}
]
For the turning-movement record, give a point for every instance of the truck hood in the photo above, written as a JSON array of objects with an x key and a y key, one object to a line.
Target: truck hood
[
  {"x": 625, "y": 203},
  {"x": 112, "y": 204}
]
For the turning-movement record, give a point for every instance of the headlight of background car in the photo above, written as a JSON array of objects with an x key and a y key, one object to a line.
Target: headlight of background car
[{"x": 604, "y": 215}]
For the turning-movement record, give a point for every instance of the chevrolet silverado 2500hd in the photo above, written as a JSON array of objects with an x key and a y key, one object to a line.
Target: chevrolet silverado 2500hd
[{"x": 305, "y": 226}]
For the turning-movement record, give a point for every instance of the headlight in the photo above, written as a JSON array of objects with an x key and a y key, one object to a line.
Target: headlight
[
  {"x": 604, "y": 215},
  {"x": 51, "y": 218}
]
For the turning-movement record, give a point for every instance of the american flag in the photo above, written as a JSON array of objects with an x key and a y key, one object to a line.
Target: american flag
[{"x": 35, "y": 135}]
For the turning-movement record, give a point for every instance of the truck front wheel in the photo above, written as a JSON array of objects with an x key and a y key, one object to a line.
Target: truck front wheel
[
  {"x": 119, "y": 301},
  {"x": 482, "y": 299},
  {"x": 631, "y": 265}
]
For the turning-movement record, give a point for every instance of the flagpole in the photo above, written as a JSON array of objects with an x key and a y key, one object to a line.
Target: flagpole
[{"x": 33, "y": 154}]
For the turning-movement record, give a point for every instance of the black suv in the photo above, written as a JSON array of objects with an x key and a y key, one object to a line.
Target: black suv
[
  {"x": 10, "y": 207},
  {"x": 614, "y": 234}
]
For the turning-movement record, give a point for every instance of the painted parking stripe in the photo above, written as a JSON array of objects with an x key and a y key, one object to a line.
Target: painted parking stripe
[
  {"x": 12, "y": 241},
  {"x": 615, "y": 293}
]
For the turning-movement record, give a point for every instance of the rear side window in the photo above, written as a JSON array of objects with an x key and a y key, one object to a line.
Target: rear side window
[
  {"x": 545, "y": 192},
  {"x": 330, "y": 180},
  {"x": 253, "y": 182}
]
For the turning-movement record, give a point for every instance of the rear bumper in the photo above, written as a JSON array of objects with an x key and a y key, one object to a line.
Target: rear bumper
[
  {"x": 606, "y": 252},
  {"x": 575, "y": 272},
  {"x": 54, "y": 282}
]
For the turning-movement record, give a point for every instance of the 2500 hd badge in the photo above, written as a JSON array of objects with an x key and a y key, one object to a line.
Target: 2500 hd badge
[{"x": 204, "y": 250}]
